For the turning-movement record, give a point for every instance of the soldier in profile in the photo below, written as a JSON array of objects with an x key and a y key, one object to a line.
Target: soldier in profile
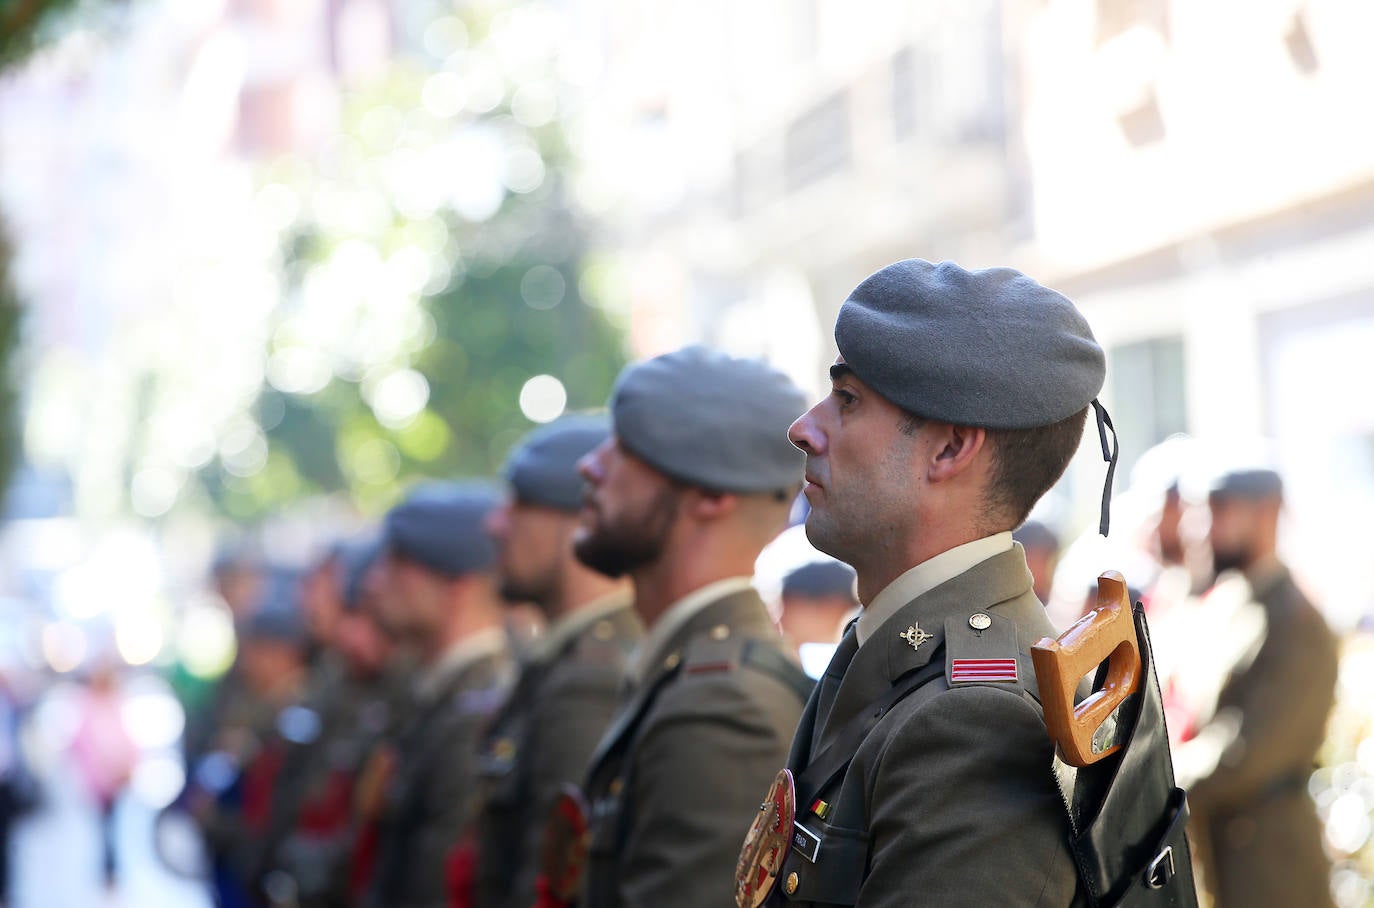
[{"x": 569, "y": 684}]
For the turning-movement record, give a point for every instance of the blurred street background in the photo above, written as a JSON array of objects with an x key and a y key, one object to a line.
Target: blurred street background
[{"x": 266, "y": 262}]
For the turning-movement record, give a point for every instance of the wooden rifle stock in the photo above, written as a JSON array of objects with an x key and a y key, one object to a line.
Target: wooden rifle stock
[{"x": 1085, "y": 733}]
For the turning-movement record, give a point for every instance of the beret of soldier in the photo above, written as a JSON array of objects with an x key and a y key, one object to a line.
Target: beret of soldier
[
  {"x": 989, "y": 348},
  {"x": 542, "y": 470},
  {"x": 1035, "y": 535},
  {"x": 711, "y": 420},
  {"x": 356, "y": 557},
  {"x": 277, "y": 616},
  {"x": 1252, "y": 484},
  {"x": 439, "y": 525},
  {"x": 819, "y": 579}
]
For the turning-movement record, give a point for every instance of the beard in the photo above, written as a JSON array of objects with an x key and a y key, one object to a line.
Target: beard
[
  {"x": 617, "y": 548},
  {"x": 539, "y": 590},
  {"x": 1233, "y": 560}
]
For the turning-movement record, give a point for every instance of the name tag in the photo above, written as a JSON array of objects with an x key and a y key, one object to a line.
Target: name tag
[{"x": 805, "y": 842}]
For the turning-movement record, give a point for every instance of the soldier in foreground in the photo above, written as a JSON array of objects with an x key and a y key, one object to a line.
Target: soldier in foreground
[
  {"x": 696, "y": 479},
  {"x": 568, "y": 689},
  {"x": 957, "y": 401},
  {"x": 437, "y": 591}
]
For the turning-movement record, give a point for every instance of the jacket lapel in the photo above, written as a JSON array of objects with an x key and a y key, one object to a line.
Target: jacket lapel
[{"x": 890, "y": 652}]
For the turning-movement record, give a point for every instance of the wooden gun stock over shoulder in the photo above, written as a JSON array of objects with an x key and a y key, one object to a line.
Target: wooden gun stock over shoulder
[{"x": 1084, "y": 733}]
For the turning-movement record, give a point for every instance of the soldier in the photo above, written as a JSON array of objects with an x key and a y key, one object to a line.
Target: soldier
[
  {"x": 817, "y": 603},
  {"x": 436, "y": 589},
  {"x": 1252, "y": 693},
  {"x": 696, "y": 479},
  {"x": 922, "y": 763},
  {"x": 568, "y": 688}
]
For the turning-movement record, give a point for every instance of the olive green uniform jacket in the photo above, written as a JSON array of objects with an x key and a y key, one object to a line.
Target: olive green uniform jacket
[
  {"x": 950, "y": 799},
  {"x": 542, "y": 739},
  {"x": 677, "y": 779},
  {"x": 431, "y": 796},
  {"x": 1255, "y": 830}
]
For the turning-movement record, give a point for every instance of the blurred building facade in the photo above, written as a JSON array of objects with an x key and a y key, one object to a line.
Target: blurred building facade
[{"x": 1194, "y": 176}]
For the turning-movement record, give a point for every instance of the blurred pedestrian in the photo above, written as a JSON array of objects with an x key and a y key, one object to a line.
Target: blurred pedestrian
[
  {"x": 1041, "y": 545},
  {"x": 1255, "y": 679},
  {"x": 105, "y": 754},
  {"x": 437, "y": 591},
  {"x": 568, "y": 688},
  {"x": 817, "y": 601},
  {"x": 695, "y": 480}
]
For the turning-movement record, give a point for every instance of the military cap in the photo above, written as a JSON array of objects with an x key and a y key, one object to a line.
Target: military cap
[
  {"x": 711, "y": 420},
  {"x": 542, "y": 469},
  {"x": 439, "y": 525},
  {"x": 988, "y": 348},
  {"x": 1035, "y": 535},
  {"x": 277, "y": 615},
  {"x": 1250, "y": 484},
  {"x": 819, "y": 579},
  {"x": 356, "y": 557}
]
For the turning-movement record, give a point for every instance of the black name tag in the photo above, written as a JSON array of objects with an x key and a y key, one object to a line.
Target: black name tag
[{"x": 805, "y": 842}]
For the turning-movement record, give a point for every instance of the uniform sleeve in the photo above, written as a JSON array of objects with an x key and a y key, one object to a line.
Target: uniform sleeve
[
  {"x": 1271, "y": 722},
  {"x": 570, "y": 726},
  {"x": 700, "y": 770},
  {"x": 964, "y": 810}
]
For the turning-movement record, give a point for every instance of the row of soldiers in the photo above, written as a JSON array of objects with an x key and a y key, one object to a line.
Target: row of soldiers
[{"x": 618, "y": 758}]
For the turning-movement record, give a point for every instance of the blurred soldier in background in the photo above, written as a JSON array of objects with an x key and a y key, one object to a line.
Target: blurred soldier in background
[
  {"x": 232, "y": 783},
  {"x": 105, "y": 753},
  {"x": 568, "y": 688},
  {"x": 357, "y": 698},
  {"x": 437, "y": 592},
  {"x": 1041, "y": 545},
  {"x": 697, "y": 478},
  {"x": 817, "y": 600},
  {"x": 1255, "y": 678}
]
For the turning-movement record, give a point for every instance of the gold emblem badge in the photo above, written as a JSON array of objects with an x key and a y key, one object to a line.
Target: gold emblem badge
[
  {"x": 915, "y": 636},
  {"x": 765, "y": 847},
  {"x": 567, "y": 839}
]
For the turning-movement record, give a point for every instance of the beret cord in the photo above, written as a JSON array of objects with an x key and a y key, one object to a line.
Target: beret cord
[{"x": 1104, "y": 422}]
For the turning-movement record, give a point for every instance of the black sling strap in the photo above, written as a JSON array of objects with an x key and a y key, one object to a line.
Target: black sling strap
[{"x": 835, "y": 759}]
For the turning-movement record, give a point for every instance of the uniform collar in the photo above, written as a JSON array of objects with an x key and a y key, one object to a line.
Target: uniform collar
[
  {"x": 660, "y": 638},
  {"x": 571, "y": 625},
  {"x": 925, "y": 577},
  {"x": 471, "y": 649}
]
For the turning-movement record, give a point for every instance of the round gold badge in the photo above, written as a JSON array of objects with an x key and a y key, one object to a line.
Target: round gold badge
[{"x": 765, "y": 847}]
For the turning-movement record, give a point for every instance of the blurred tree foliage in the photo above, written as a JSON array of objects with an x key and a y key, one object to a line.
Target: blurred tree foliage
[
  {"x": 433, "y": 262},
  {"x": 26, "y": 23}
]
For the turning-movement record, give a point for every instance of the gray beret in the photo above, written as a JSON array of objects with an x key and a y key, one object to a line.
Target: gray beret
[
  {"x": 1254, "y": 484},
  {"x": 990, "y": 348},
  {"x": 711, "y": 420},
  {"x": 1035, "y": 535},
  {"x": 543, "y": 467},
  {"x": 356, "y": 557},
  {"x": 277, "y": 615},
  {"x": 439, "y": 524},
  {"x": 819, "y": 579}
]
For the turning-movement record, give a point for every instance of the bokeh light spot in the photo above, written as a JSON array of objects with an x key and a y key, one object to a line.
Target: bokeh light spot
[
  {"x": 542, "y": 287},
  {"x": 543, "y": 398}
]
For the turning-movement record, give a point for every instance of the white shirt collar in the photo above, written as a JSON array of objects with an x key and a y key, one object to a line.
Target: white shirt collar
[
  {"x": 925, "y": 577},
  {"x": 458, "y": 657},
  {"x": 676, "y": 617}
]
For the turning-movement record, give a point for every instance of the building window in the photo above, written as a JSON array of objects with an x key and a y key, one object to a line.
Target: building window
[
  {"x": 818, "y": 142},
  {"x": 1151, "y": 401}
]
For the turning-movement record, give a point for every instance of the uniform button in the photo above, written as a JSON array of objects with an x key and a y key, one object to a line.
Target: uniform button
[
  {"x": 980, "y": 622},
  {"x": 671, "y": 662},
  {"x": 603, "y": 631},
  {"x": 720, "y": 632},
  {"x": 790, "y": 886},
  {"x": 616, "y": 786}
]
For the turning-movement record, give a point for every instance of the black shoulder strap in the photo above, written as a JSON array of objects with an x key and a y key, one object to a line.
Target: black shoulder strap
[
  {"x": 772, "y": 661},
  {"x": 835, "y": 759}
]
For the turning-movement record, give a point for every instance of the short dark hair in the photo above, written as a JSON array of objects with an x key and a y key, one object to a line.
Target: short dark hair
[{"x": 1026, "y": 463}]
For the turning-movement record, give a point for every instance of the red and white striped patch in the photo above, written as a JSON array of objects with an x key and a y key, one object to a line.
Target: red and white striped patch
[{"x": 982, "y": 670}]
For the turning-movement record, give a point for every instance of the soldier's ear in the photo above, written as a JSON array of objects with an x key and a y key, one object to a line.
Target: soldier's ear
[
  {"x": 954, "y": 450},
  {"x": 706, "y": 505}
]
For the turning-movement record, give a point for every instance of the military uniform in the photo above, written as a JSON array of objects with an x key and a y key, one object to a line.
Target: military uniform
[
  {"x": 542, "y": 739},
  {"x": 430, "y": 794},
  {"x": 674, "y": 784},
  {"x": 1252, "y": 741},
  {"x": 950, "y": 797}
]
